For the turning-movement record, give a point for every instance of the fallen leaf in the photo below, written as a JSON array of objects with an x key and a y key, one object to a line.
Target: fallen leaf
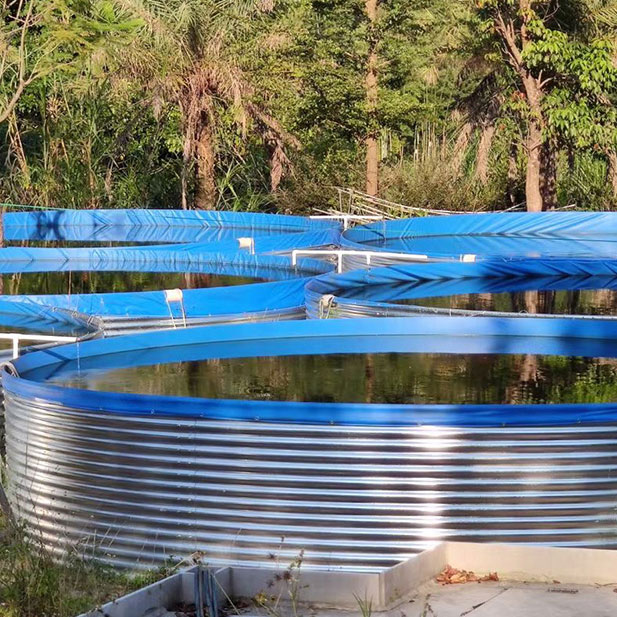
[{"x": 453, "y": 576}]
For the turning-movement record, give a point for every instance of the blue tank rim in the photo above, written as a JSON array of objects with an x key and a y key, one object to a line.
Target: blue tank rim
[
  {"x": 536, "y": 226},
  {"x": 554, "y": 336},
  {"x": 362, "y": 288}
]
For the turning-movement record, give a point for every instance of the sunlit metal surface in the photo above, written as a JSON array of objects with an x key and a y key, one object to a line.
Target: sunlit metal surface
[{"x": 143, "y": 489}]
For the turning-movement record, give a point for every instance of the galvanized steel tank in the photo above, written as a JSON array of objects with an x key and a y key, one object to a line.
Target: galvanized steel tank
[{"x": 141, "y": 488}]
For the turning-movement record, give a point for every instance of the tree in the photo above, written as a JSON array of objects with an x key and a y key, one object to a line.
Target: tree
[
  {"x": 560, "y": 79},
  {"x": 191, "y": 52},
  {"x": 372, "y": 72},
  {"x": 16, "y": 72},
  {"x": 55, "y": 99}
]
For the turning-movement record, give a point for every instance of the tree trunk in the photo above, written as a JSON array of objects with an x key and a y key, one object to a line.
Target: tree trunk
[
  {"x": 484, "y": 149},
  {"x": 372, "y": 165},
  {"x": 205, "y": 180},
  {"x": 533, "y": 91},
  {"x": 533, "y": 195},
  {"x": 511, "y": 187},
  {"x": 372, "y": 141},
  {"x": 612, "y": 171},
  {"x": 548, "y": 173}
]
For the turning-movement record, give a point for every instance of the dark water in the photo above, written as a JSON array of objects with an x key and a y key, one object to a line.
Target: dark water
[
  {"x": 84, "y": 282},
  {"x": 560, "y": 302},
  {"x": 375, "y": 378}
]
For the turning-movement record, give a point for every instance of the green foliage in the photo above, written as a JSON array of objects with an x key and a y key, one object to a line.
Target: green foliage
[
  {"x": 555, "y": 65},
  {"x": 584, "y": 182},
  {"x": 33, "y": 584},
  {"x": 583, "y": 76},
  {"x": 103, "y": 114}
]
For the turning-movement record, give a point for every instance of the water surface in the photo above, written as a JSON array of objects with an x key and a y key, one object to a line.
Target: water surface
[
  {"x": 372, "y": 378},
  {"x": 85, "y": 282},
  {"x": 533, "y": 301}
]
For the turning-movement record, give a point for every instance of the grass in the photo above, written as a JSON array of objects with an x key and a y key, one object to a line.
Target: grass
[{"x": 34, "y": 584}]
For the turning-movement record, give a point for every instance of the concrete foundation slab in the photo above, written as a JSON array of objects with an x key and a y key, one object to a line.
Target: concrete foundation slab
[
  {"x": 510, "y": 600},
  {"x": 533, "y": 581}
]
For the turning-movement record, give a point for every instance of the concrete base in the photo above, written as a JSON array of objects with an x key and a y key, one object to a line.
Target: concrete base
[
  {"x": 505, "y": 599},
  {"x": 556, "y": 581}
]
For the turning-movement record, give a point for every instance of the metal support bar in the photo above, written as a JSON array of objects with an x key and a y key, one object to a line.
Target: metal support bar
[
  {"x": 16, "y": 338},
  {"x": 199, "y": 592},
  {"x": 177, "y": 296},
  {"x": 205, "y": 593}
]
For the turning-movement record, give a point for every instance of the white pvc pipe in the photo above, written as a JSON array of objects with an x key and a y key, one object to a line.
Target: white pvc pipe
[
  {"x": 16, "y": 338},
  {"x": 340, "y": 253}
]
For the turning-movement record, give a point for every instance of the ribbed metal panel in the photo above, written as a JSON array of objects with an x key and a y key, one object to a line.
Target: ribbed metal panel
[
  {"x": 140, "y": 489},
  {"x": 331, "y": 307},
  {"x": 114, "y": 326}
]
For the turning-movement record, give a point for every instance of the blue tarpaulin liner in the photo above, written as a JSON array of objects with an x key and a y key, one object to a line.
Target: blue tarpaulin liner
[
  {"x": 451, "y": 287},
  {"x": 222, "y": 254},
  {"x": 153, "y": 225},
  {"x": 40, "y": 259},
  {"x": 493, "y": 235},
  {"x": 425, "y": 334},
  {"x": 252, "y": 298},
  {"x": 369, "y": 291},
  {"x": 214, "y": 247},
  {"x": 197, "y": 303},
  {"x": 166, "y": 258}
]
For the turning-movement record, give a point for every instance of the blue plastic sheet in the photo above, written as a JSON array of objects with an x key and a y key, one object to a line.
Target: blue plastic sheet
[
  {"x": 556, "y": 234},
  {"x": 237, "y": 299},
  {"x": 214, "y": 247},
  {"x": 373, "y": 288},
  {"x": 421, "y": 334},
  {"x": 285, "y": 294},
  {"x": 174, "y": 257},
  {"x": 153, "y": 225},
  {"x": 169, "y": 258}
]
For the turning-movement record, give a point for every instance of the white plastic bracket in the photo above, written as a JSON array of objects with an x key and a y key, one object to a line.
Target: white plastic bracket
[
  {"x": 175, "y": 295},
  {"x": 247, "y": 243}
]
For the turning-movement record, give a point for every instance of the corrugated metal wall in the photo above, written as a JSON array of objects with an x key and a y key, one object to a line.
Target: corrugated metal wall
[{"x": 141, "y": 489}]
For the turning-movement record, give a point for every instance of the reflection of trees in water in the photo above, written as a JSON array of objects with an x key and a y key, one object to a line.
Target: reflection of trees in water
[
  {"x": 197, "y": 280},
  {"x": 486, "y": 302},
  {"x": 369, "y": 373},
  {"x": 573, "y": 301},
  {"x": 533, "y": 301},
  {"x": 193, "y": 378},
  {"x": 83, "y": 282},
  {"x": 568, "y": 302},
  {"x": 383, "y": 378},
  {"x": 606, "y": 301},
  {"x": 529, "y": 374}
]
